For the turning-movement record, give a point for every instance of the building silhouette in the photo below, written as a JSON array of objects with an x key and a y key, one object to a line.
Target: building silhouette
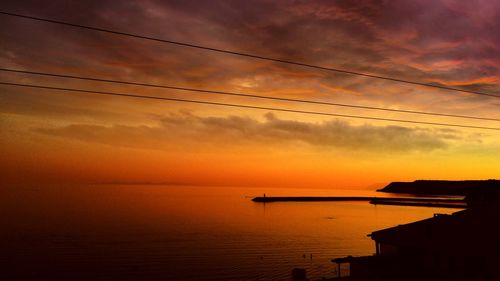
[{"x": 463, "y": 246}]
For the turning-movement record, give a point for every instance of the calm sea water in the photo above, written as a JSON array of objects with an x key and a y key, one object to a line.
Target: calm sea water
[{"x": 112, "y": 232}]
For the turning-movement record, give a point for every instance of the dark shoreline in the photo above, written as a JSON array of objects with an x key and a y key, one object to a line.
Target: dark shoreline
[
  {"x": 443, "y": 187},
  {"x": 424, "y": 202},
  {"x": 460, "y": 204}
]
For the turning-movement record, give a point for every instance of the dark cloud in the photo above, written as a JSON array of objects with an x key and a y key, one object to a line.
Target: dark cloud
[
  {"x": 443, "y": 42},
  {"x": 272, "y": 131},
  {"x": 397, "y": 38}
]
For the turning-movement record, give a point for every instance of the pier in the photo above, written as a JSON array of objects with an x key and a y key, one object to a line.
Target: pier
[{"x": 400, "y": 201}]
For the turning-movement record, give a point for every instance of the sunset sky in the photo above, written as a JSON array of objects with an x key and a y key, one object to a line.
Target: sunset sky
[{"x": 52, "y": 137}]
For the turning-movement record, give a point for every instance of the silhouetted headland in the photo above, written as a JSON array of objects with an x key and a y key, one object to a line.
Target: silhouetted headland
[
  {"x": 441, "y": 187},
  {"x": 473, "y": 190}
]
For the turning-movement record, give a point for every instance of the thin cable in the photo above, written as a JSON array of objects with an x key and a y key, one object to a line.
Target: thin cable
[
  {"x": 205, "y": 91},
  {"x": 244, "y": 106},
  {"x": 338, "y": 70}
]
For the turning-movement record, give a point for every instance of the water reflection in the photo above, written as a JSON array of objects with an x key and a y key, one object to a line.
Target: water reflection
[{"x": 184, "y": 233}]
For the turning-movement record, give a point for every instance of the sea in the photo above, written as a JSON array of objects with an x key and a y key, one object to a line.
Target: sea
[{"x": 185, "y": 233}]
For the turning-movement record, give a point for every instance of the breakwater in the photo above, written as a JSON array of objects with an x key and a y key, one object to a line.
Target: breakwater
[{"x": 401, "y": 201}]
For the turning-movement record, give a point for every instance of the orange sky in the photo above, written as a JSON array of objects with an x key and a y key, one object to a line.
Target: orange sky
[{"x": 80, "y": 138}]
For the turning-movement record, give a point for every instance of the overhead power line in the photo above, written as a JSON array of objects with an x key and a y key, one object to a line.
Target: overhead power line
[
  {"x": 243, "y": 106},
  {"x": 205, "y": 91},
  {"x": 248, "y": 55}
]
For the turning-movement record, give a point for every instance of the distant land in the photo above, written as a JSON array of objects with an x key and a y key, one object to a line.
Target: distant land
[{"x": 442, "y": 187}]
